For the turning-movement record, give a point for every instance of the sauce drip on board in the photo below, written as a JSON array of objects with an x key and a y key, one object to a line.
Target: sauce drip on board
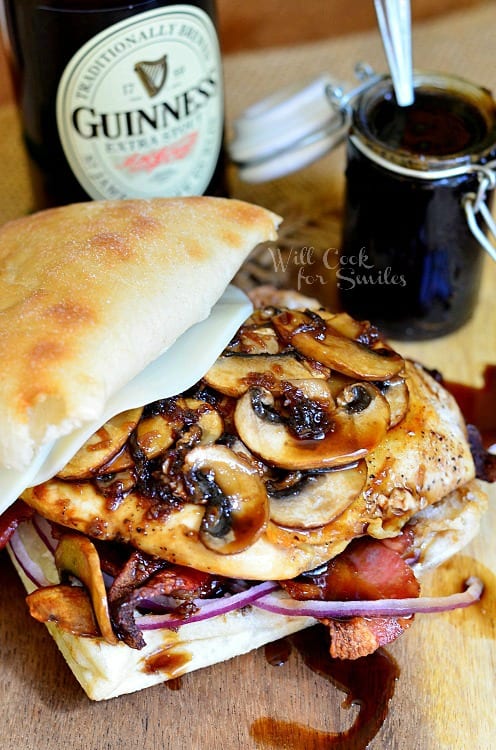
[
  {"x": 278, "y": 652},
  {"x": 368, "y": 682},
  {"x": 174, "y": 684},
  {"x": 478, "y": 405}
]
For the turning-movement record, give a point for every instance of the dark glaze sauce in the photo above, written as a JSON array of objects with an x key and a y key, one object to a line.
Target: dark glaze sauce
[
  {"x": 478, "y": 405},
  {"x": 174, "y": 684},
  {"x": 166, "y": 661},
  {"x": 409, "y": 262},
  {"x": 436, "y": 124},
  {"x": 367, "y": 682},
  {"x": 278, "y": 652}
]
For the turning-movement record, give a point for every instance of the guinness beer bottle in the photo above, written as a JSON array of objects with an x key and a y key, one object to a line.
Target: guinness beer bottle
[{"x": 118, "y": 99}]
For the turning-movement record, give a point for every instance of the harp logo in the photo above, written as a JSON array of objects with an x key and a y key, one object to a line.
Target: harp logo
[
  {"x": 152, "y": 74},
  {"x": 140, "y": 106}
]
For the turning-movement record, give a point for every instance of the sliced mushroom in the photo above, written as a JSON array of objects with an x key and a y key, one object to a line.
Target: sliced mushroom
[
  {"x": 210, "y": 422},
  {"x": 396, "y": 393},
  {"x": 69, "y": 607},
  {"x": 317, "y": 499},
  {"x": 335, "y": 535},
  {"x": 237, "y": 508},
  {"x": 77, "y": 555},
  {"x": 337, "y": 382},
  {"x": 238, "y": 447},
  {"x": 359, "y": 330},
  {"x": 233, "y": 374},
  {"x": 312, "y": 388},
  {"x": 254, "y": 339},
  {"x": 315, "y": 338},
  {"x": 116, "y": 486},
  {"x": 102, "y": 446},
  {"x": 357, "y": 424},
  {"x": 344, "y": 323},
  {"x": 120, "y": 462},
  {"x": 157, "y": 433}
]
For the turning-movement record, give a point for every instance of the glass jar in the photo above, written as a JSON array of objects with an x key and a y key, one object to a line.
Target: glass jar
[
  {"x": 118, "y": 99},
  {"x": 409, "y": 261}
]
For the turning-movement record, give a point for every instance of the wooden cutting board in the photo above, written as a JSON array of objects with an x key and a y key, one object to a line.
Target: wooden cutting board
[{"x": 440, "y": 674}]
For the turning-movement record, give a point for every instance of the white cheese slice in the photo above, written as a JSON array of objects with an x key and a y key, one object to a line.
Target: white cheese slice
[{"x": 177, "y": 369}]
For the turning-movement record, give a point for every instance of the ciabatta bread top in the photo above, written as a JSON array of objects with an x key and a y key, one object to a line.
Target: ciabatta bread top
[{"x": 91, "y": 293}]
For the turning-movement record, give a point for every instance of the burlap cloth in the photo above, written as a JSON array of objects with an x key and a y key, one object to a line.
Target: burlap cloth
[{"x": 462, "y": 43}]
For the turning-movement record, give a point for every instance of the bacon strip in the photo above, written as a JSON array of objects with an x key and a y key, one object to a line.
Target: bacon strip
[
  {"x": 485, "y": 462},
  {"x": 147, "y": 579},
  {"x": 366, "y": 569},
  {"x": 360, "y": 636}
]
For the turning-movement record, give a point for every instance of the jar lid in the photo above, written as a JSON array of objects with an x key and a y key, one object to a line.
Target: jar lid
[
  {"x": 287, "y": 130},
  {"x": 295, "y": 126}
]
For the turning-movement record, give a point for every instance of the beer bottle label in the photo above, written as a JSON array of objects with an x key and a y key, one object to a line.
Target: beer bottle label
[{"x": 140, "y": 106}]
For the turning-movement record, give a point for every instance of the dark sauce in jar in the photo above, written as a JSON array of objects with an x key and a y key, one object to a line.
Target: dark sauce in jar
[
  {"x": 436, "y": 124},
  {"x": 409, "y": 261}
]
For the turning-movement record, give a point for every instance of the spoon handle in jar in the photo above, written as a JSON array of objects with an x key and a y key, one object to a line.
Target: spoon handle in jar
[{"x": 394, "y": 19}]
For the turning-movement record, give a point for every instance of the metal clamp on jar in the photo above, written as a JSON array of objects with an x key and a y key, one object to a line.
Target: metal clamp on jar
[{"x": 418, "y": 184}]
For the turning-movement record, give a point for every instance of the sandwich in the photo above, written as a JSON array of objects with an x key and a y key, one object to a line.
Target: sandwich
[{"x": 304, "y": 472}]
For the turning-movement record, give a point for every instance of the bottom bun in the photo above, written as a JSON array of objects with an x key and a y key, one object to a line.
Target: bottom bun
[{"x": 107, "y": 671}]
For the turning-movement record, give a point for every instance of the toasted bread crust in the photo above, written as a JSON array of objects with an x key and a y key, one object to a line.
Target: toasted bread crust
[{"x": 111, "y": 281}]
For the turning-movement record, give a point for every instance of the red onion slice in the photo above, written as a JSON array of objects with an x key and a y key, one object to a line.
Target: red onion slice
[
  {"x": 30, "y": 568},
  {"x": 264, "y": 596},
  {"x": 44, "y": 530},
  {"x": 283, "y": 605},
  {"x": 207, "y": 608}
]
